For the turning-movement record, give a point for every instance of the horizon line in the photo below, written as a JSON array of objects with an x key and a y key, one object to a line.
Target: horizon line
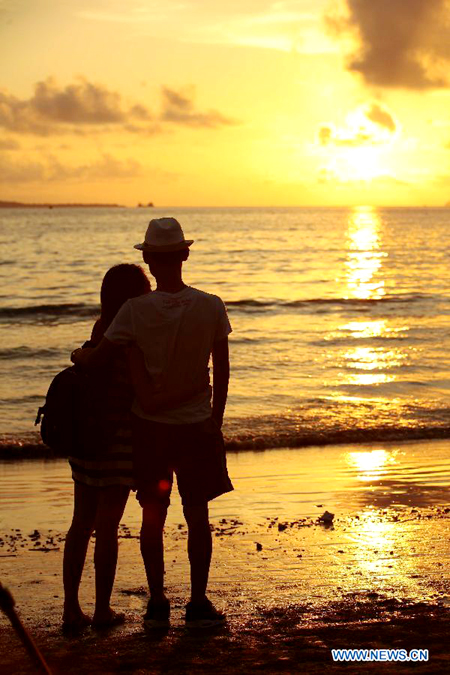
[{"x": 7, "y": 203}]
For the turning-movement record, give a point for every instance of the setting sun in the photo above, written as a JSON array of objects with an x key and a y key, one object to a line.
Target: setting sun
[{"x": 364, "y": 163}]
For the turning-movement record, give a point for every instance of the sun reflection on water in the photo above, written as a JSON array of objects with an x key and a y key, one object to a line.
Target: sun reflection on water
[
  {"x": 367, "y": 365},
  {"x": 373, "y": 329},
  {"x": 364, "y": 260},
  {"x": 370, "y": 358},
  {"x": 370, "y": 378}
]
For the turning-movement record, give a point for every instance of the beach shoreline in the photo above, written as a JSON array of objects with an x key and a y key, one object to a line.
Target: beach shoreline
[{"x": 28, "y": 445}]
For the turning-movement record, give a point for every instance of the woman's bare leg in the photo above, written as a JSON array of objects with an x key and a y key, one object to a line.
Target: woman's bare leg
[
  {"x": 111, "y": 505},
  {"x": 77, "y": 540}
]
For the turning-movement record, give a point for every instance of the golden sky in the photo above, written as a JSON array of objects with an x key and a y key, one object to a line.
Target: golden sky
[{"x": 243, "y": 102}]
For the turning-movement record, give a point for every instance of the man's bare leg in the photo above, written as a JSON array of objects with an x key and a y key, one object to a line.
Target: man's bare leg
[
  {"x": 199, "y": 549},
  {"x": 152, "y": 548}
]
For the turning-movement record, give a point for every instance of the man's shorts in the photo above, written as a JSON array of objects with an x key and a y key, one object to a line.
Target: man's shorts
[{"x": 195, "y": 452}]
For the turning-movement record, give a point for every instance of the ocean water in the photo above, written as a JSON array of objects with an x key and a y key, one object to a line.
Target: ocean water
[{"x": 341, "y": 317}]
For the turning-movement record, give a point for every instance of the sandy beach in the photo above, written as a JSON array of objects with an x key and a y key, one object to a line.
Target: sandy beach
[{"x": 293, "y": 588}]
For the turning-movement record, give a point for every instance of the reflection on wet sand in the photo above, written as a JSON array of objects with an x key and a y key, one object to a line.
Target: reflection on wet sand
[
  {"x": 384, "y": 552},
  {"x": 278, "y": 577},
  {"x": 396, "y": 492},
  {"x": 387, "y": 478},
  {"x": 370, "y": 464}
]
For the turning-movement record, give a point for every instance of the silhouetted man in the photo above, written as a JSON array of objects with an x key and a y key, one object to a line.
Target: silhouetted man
[{"x": 177, "y": 328}]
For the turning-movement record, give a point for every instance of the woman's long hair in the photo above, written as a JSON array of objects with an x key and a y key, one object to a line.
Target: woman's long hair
[{"x": 119, "y": 284}]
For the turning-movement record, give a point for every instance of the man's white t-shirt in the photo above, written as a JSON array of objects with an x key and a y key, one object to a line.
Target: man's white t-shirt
[{"x": 176, "y": 333}]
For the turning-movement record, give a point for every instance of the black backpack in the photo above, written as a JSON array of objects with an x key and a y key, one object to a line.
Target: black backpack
[{"x": 73, "y": 420}]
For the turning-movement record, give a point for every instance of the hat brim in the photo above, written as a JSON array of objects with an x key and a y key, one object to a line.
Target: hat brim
[{"x": 150, "y": 248}]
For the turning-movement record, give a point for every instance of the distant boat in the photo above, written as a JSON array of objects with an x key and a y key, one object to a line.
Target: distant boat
[{"x": 143, "y": 206}]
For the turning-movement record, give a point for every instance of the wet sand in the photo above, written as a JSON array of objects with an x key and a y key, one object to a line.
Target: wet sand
[{"x": 293, "y": 588}]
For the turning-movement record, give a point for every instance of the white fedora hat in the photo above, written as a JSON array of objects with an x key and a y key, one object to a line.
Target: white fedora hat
[{"x": 164, "y": 235}]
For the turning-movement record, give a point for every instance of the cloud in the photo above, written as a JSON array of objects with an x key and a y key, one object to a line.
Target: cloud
[
  {"x": 80, "y": 107},
  {"x": 54, "y": 109},
  {"x": 107, "y": 167},
  {"x": 403, "y": 43},
  {"x": 9, "y": 144},
  {"x": 20, "y": 172},
  {"x": 327, "y": 136},
  {"x": 367, "y": 125},
  {"x": 104, "y": 168},
  {"x": 179, "y": 108},
  {"x": 81, "y": 103},
  {"x": 379, "y": 115}
]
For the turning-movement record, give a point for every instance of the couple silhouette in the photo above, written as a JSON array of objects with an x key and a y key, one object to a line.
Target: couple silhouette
[{"x": 150, "y": 351}]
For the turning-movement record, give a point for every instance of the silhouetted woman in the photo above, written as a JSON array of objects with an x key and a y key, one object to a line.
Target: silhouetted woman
[{"x": 102, "y": 480}]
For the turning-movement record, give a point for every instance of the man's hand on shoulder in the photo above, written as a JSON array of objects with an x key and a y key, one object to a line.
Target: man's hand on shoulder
[
  {"x": 92, "y": 358},
  {"x": 80, "y": 357}
]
